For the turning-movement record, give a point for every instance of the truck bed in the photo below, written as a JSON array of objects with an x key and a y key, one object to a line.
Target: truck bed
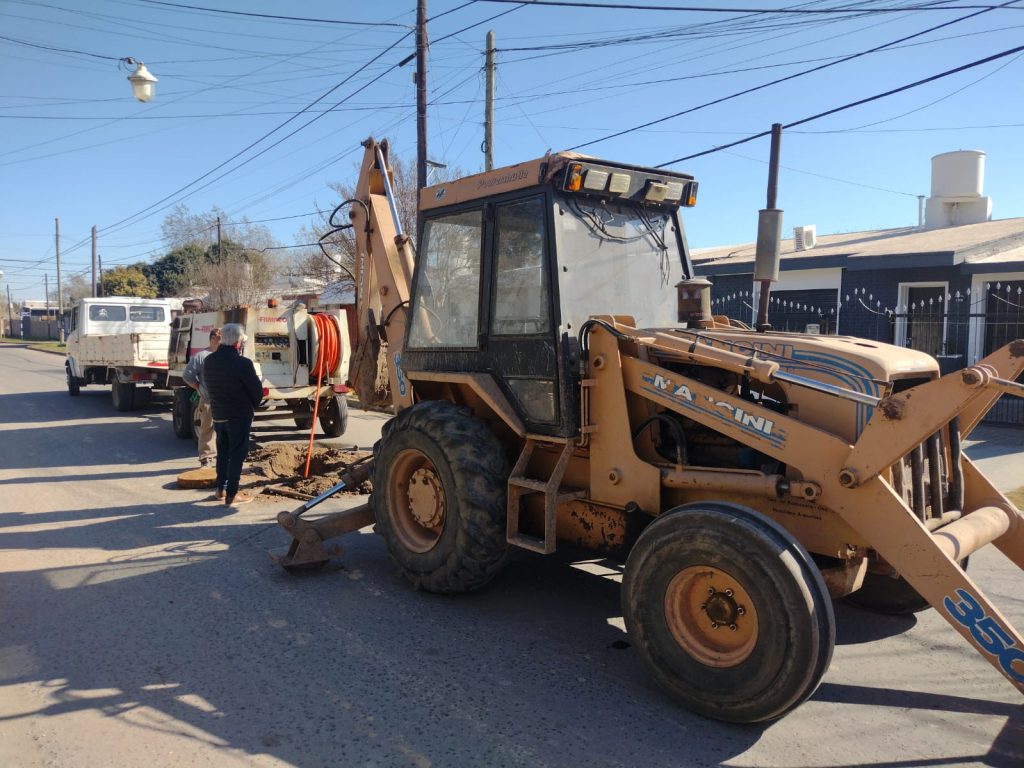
[{"x": 124, "y": 350}]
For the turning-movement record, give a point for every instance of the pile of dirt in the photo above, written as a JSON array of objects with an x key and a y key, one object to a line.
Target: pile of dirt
[{"x": 285, "y": 463}]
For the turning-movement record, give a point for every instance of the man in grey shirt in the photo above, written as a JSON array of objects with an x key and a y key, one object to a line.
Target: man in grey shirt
[{"x": 193, "y": 376}]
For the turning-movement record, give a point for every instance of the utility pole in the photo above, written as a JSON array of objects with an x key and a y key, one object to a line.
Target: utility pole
[
  {"x": 46, "y": 289},
  {"x": 10, "y": 309},
  {"x": 219, "y": 259},
  {"x": 60, "y": 290},
  {"x": 421, "y": 94},
  {"x": 99, "y": 260},
  {"x": 489, "y": 108},
  {"x": 94, "y": 260}
]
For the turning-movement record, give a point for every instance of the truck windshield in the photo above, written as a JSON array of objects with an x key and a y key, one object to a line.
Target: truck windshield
[{"x": 617, "y": 260}]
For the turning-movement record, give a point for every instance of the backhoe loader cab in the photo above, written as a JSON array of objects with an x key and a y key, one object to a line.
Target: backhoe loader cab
[
  {"x": 558, "y": 379},
  {"x": 512, "y": 263}
]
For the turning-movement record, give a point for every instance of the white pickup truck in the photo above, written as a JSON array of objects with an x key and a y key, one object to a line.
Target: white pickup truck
[
  {"x": 285, "y": 344},
  {"x": 121, "y": 341}
]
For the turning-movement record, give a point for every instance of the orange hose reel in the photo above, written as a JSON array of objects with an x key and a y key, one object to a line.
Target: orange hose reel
[{"x": 328, "y": 354}]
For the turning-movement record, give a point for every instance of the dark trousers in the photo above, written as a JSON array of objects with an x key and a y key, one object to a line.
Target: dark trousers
[{"x": 232, "y": 446}]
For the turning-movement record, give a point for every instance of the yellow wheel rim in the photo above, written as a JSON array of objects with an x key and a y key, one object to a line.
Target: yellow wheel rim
[
  {"x": 711, "y": 616},
  {"x": 416, "y": 501}
]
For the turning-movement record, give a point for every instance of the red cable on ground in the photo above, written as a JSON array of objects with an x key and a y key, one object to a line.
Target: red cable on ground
[{"x": 327, "y": 352}]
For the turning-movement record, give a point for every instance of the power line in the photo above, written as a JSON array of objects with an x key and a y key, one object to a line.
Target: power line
[
  {"x": 275, "y": 16},
  {"x": 852, "y": 104},
  {"x": 271, "y": 132},
  {"x": 60, "y": 50},
  {"x": 793, "y": 76},
  {"x": 706, "y": 9}
]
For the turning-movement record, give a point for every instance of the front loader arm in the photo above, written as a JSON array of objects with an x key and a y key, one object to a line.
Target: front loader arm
[
  {"x": 850, "y": 479},
  {"x": 904, "y": 420}
]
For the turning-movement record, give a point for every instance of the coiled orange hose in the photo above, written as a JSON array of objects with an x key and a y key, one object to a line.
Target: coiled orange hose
[{"x": 327, "y": 354}]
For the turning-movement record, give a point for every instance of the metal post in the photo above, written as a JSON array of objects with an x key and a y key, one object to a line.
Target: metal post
[
  {"x": 771, "y": 214},
  {"x": 60, "y": 290},
  {"x": 46, "y": 293},
  {"x": 421, "y": 94},
  {"x": 489, "y": 108},
  {"x": 920, "y": 211},
  {"x": 10, "y": 312},
  {"x": 94, "y": 260}
]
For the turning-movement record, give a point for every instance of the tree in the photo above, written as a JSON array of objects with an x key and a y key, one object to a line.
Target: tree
[
  {"x": 76, "y": 287},
  {"x": 181, "y": 227},
  {"x": 340, "y": 243},
  {"x": 170, "y": 274},
  {"x": 128, "y": 281},
  {"x": 241, "y": 279}
]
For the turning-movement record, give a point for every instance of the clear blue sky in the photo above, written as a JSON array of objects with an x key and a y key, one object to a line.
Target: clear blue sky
[{"x": 76, "y": 146}]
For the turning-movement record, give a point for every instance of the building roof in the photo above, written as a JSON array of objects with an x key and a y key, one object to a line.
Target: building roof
[{"x": 988, "y": 246}]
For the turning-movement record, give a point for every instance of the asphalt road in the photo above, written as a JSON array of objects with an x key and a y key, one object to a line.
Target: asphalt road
[{"x": 145, "y": 625}]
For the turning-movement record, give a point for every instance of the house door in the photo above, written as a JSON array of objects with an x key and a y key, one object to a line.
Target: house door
[{"x": 925, "y": 309}]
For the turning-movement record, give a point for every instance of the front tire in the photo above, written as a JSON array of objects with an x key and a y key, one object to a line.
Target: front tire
[
  {"x": 122, "y": 395},
  {"x": 440, "y": 497},
  {"x": 333, "y": 416},
  {"x": 728, "y": 612}
]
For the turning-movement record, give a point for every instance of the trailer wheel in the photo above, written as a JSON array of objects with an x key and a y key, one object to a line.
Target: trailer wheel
[
  {"x": 890, "y": 596},
  {"x": 74, "y": 388},
  {"x": 122, "y": 395},
  {"x": 333, "y": 416},
  {"x": 301, "y": 413},
  {"x": 728, "y": 612},
  {"x": 181, "y": 415},
  {"x": 440, "y": 497}
]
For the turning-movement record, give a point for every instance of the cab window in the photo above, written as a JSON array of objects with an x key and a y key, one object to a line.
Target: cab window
[
  {"x": 107, "y": 313},
  {"x": 521, "y": 304},
  {"x": 146, "y": 314},
  {"x": 446, "y": 299}
]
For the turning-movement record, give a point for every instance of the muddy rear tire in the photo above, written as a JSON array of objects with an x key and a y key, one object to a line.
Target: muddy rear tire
[
  {"x": 440, "y": 497},
  {"x": 728, "y": 612}
]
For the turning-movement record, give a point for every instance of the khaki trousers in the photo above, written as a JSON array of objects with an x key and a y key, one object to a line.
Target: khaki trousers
[{"x": 207, "y": 437}]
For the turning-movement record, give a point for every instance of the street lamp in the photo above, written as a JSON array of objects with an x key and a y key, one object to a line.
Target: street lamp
[
  {"x": 143, "y": 82},
  {"x": 433, "y": 165}
]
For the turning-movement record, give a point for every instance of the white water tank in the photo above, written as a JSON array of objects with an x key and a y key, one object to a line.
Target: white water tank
[{"x": 958, "y": 174}]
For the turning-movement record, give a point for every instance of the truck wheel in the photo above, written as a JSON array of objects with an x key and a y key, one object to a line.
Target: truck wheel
[
  {"x": 440, "y": 497},
  {"x": 74, "y": 388},
  {"x": 122, "y": 395},
  {"x": 334, "y": 416},
  {"x": 886, "y": 595},
  {"x": 181, "y": 416},
  {"x": 728, "y": 612}
]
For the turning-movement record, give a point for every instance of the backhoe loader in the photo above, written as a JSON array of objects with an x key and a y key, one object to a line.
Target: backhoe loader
[{"x": 557, "y": 378}]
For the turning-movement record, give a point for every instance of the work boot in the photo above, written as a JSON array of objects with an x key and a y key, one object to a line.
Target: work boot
[{"x": 238, "y": 498}]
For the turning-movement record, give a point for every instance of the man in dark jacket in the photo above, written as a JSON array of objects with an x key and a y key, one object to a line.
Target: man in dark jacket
[{"x": 235, "y": 390}]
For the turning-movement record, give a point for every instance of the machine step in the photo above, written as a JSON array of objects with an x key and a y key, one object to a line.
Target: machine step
[{"x": 554, "y": 494}]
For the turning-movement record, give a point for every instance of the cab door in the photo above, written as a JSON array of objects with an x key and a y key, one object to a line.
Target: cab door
[{"x": 521, "y": 344}]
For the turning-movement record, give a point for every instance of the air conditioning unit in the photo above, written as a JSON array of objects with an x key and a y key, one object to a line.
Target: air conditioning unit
[{"x": 804, "y": 238}]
